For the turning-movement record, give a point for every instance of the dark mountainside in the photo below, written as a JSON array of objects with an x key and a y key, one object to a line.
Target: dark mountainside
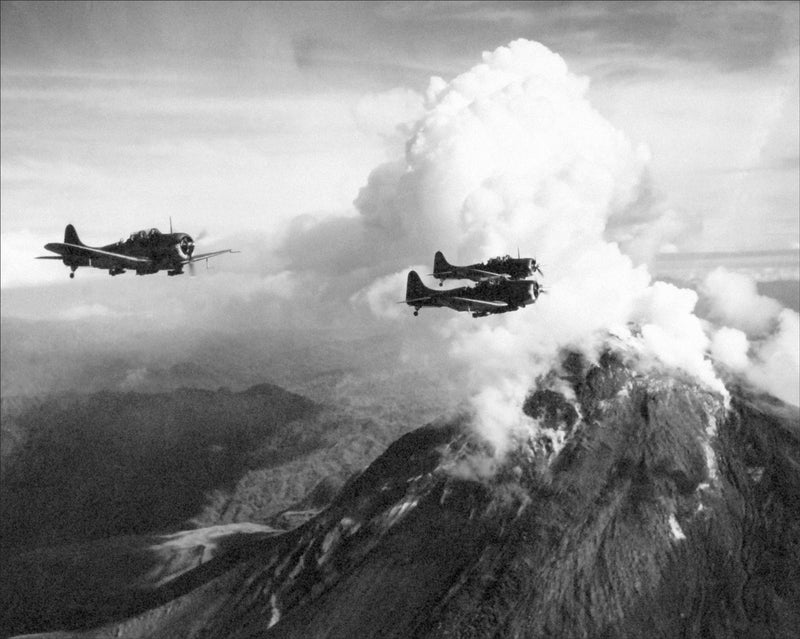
[
  {"x": 78, "y": 467},
  {"x": 663, "y": 514}
]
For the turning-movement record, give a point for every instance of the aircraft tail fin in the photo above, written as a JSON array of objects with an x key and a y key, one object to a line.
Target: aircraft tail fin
[
  {"x": 440, "y": 264},
  {"x": 415, "y": 289},
  {"x": 71, "y": 236}
]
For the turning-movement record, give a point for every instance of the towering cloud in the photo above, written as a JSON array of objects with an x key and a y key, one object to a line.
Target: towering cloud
[
  {"x": 757, "y": 338},
  {"x": 511, "y": 155}
]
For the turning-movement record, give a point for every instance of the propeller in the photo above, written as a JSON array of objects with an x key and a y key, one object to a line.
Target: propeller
[{"x": 186, "y": 246}]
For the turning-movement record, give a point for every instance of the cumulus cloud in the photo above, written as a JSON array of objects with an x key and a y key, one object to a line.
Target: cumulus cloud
[
  {"x": 508, "y": 155},
  {"x": 753, "y": 335},
  {"x": 729, "y": 347},
  {"x": 733, "y": 300},
  {"x": 771, "y": 363},
  {"x": 777, "y": 360}
]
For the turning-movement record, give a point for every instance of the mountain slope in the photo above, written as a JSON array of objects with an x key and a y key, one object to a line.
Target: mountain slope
[
  {"x": 642, "y": 507},
  {"x": 82, "y": 467}
]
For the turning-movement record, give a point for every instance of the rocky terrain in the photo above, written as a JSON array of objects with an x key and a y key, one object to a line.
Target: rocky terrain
[{"x": 645, "y": 505}]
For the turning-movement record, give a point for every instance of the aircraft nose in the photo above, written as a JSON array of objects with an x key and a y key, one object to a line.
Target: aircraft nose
[{"x": 187, "y": 245}]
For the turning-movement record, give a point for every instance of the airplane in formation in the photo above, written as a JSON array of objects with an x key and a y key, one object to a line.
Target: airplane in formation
[
  {"x": 488, "y": 297},
  {"x": 505, "y": 267},
  {"x": 145, "y": 252},
  {"x": 501, "y": 286}
]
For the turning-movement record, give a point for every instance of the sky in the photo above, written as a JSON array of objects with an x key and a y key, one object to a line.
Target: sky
[
  {"x": 237, "y": 118},
  {"x": 338, "y": 145}
]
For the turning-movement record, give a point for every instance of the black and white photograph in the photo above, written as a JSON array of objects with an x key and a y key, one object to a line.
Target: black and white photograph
[{"x": 400, "y": 320}]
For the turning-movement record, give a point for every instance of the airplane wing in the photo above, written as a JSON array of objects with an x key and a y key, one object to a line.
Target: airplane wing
[
  {"x": 480, "y": 304},
  {"x": 468, "y": 272},
  {"x": 205, "y": 256},
  {"x": 66, "y": 250},
  {"x": 489, "y": 275}
]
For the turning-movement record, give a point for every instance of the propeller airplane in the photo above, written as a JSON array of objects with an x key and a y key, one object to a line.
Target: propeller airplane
[
  {"x": 488, "y": 297},
  {"x": 145, "y": 252},
  {"x": 505, "y": 267}
]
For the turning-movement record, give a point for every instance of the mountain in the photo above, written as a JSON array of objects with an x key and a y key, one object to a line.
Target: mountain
[
  {"x": 86, "y": 467},
  {"x": 641, "y": 505}
]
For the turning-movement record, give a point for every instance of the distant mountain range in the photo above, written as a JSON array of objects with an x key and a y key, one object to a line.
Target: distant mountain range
[
  {"x": 641, "y": 506},
  {"x": 82, "y": 467}
]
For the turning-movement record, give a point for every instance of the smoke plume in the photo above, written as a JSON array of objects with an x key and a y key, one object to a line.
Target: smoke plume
[{"x": 511, "y": 155}]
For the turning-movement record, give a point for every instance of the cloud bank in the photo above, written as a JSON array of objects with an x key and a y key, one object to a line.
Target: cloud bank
[
  {"x": 511, "y": 155},
  {"x": 753, "y": 335}
]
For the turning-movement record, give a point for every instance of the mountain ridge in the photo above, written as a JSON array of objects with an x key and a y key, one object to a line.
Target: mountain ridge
[{"x": 650, "y": 508}]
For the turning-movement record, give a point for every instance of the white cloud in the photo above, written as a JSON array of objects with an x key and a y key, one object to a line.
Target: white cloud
[
  {"x": 729, "y": 346},
  {"x": 777, "y": 360},
  {"x": 734, "y": 301},
  {"x": 87, "y": 311},
  {"x": 511, "y": 154}
]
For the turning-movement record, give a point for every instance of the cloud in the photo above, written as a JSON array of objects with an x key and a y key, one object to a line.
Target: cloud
[
  {"x": 390, "y": 114},
  {"x": 753, "y": 335},
  {"x": 732, "y": 300},
  {"x": 382, "y": 295},
  {"x": 17, "y": 264},
  {"x": 508, "y": 155},
  {"x": 729, "y": 347},
  {"x": 87, "y": 311},
  {"x": 777, "y": 360}
]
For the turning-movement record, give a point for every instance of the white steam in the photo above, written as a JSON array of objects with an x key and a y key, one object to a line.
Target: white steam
[
  {"x": 758, "y": 339},
  {"x": 510, "y": 155},
  {"x": 735, "y": 302}
]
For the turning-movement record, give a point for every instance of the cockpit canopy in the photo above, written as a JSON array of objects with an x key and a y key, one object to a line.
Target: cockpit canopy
[{"x": 143, "y": 235}]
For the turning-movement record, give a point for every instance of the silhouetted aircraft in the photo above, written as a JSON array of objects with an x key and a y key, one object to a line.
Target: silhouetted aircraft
[
  {"x": 485, "y": 298},
  {"x": 505, "y": 267},
  {"x": 144, "y": 252}
]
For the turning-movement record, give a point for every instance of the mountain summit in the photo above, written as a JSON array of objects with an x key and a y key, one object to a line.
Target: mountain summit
[{"x": 640, "y": 505}]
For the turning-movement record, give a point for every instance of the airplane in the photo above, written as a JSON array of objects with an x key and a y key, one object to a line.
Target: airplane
[
  {"x": 505, "y": 267},
  {"x": 486, "y": 298},
  {"x": 145, "y": 252}
]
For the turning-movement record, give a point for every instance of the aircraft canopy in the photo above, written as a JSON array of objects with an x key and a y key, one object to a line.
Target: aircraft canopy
[{"x": 143, "y": 235}]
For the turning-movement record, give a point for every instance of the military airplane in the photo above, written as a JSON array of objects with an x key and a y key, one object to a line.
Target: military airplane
[
  {"x": 505, "y": 267},
  {"x": 144, "y": 252},
  {"x": 485, "y": 298}
]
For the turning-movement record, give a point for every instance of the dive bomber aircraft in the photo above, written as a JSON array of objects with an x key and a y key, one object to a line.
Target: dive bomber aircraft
[
  {"x": 488, "y": 297},
  {"x": 144, "y": 252},
  {"x": 505, "y": 267}
]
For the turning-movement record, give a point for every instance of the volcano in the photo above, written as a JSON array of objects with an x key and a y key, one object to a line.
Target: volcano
[{"x": 639, "y": 504}]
